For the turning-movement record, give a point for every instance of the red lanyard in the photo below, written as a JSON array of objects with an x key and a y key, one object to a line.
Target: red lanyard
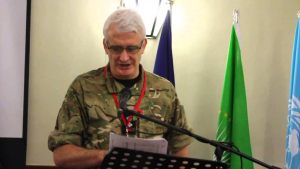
[{"x": 137, "y": 105}]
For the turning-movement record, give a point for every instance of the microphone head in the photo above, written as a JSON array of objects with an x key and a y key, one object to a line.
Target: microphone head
[{"x": 124, "y": 96}]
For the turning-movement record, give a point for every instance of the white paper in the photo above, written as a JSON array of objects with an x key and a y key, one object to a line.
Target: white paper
[{"x": 153, "y": 145}]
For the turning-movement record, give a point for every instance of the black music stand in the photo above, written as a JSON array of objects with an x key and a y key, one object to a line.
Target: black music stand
[
  {"x": 119, "y": 158},
  {"x": 1, "y": 167}
]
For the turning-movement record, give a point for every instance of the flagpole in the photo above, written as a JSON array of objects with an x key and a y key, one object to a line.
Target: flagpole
[
  {"x": 236, "y": 19},
  {"x": 171, "y": 2},
  {"x": 236, "y": 15},
  {"x": 236, "y": 22},
  {"x": 122, "y": 4}
]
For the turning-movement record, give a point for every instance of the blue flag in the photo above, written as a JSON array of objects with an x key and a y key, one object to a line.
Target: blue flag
[
  {"x": 164, "y": 57},
  {"x": 293, "y": 128}
]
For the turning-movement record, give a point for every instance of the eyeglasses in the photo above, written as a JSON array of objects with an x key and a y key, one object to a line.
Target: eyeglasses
[{"x": 117, "y": 49}]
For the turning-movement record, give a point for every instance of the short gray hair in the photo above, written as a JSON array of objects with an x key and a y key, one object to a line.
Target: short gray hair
[{"x": 126, "y": 20}]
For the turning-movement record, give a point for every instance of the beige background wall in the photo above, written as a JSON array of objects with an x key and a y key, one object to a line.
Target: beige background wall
[{"x": 66, "y": 40}]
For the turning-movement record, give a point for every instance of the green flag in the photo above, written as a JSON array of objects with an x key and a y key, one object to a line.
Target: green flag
[{"x": 233, "y": 119}]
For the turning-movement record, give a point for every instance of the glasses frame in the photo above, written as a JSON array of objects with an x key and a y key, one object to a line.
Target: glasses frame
[{"x": 118, "y": 49}]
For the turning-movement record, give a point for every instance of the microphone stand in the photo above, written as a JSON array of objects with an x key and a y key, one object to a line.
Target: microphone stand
[{"x": 214, "y": 143}]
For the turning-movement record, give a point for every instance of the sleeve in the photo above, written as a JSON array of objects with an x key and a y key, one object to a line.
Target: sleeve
[
  {"x": 178, "y": 140},
  {"x": 70, "y": 123}
]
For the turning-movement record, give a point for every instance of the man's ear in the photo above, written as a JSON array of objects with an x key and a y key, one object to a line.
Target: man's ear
[
  {"x": 145, "y": 42},
  {"x": 105, "y": 46},
  {"x": 144, "y": 45}
]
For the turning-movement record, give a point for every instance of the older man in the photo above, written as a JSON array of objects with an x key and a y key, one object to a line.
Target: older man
[{"x": 91, "y": 107}]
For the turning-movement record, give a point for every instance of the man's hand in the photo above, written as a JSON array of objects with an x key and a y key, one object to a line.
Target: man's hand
[
  {"x": 183, "y": 152},
  {"x": 75, "y": 157}
]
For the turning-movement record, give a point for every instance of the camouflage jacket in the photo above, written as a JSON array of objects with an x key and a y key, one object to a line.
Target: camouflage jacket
[{"x": 88, "y": 113}]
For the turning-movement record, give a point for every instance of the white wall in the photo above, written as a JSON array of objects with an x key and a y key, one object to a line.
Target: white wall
[{"x": 66, "y": 37}]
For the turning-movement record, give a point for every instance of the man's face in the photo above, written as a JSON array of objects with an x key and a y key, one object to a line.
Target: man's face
[{"x": 124, "y": 50}]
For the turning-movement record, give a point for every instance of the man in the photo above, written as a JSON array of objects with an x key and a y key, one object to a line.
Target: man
[{"x": 91, "y": 109}]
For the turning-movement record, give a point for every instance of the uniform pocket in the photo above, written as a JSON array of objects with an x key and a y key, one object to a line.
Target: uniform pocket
[
  {"x": 102, "y": 114},
  {"x": 157, "y": 104},
  {"x": 100, "y": 106}
]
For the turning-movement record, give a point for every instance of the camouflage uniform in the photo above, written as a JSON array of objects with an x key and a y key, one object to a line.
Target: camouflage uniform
[{"x": 88, "y": 113}]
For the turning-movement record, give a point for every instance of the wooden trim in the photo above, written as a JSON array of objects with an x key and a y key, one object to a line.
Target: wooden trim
[{"x": 41, "y": 167}]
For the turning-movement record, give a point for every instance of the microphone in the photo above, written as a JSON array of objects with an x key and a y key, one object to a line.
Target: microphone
[
  {"x": 214, "y": 143},
  {"x": 129, "y": 124},
  {"x": 125, "y": 95}
]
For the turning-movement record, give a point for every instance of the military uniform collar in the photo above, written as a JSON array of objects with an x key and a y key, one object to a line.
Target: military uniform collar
[{"x": 113, "y": 86}]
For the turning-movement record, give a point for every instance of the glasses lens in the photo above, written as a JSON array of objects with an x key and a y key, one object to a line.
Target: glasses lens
[
  {"x": 115, "y": 49},
  {"x": 132, "y": 49}
]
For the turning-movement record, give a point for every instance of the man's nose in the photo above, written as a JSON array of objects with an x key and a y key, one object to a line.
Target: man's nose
[{"x": 124, "y": 55}]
